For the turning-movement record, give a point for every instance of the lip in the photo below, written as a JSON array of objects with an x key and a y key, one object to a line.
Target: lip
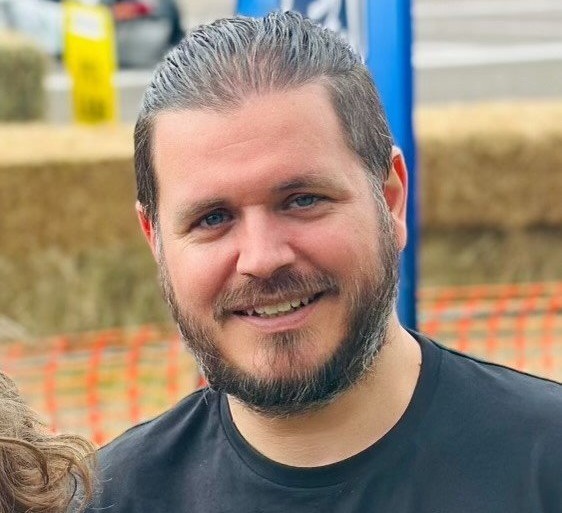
[{"x": 291, "y": 321}]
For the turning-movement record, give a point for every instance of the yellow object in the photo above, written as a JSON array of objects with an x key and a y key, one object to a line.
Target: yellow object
[{"x": 91, "y": 62}]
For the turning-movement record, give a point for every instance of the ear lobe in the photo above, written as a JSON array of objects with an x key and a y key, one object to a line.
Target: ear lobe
[
  {"x": 146, "y": 227},
  {"x": 396, "y": 193}
]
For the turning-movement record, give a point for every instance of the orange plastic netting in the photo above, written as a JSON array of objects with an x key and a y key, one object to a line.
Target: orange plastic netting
[{"x": 98, "y": 384}]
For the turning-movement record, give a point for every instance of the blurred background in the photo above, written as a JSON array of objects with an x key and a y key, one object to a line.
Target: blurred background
[
  {"x": 82, "y": 327},
  {"x": 464, "y": 50}
]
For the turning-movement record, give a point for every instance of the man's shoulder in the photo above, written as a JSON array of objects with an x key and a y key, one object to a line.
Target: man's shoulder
[
  {"x": 133, "y": 467},
  {"x": 502, "y": 390},
  {"x": 146, "y": 438},
  {"x": 503, "y": 375}
]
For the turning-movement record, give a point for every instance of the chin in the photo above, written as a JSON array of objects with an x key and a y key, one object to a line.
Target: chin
[{"x": 285, "y": 356}]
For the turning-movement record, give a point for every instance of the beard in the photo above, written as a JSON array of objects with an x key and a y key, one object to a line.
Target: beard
[{"x": 370, "y": 299}]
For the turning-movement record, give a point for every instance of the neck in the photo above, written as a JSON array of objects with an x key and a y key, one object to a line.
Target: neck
[{"x": 356, "y": 420}]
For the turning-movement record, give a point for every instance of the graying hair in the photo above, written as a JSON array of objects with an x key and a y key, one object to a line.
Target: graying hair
[{"x": 218, "y": 66}]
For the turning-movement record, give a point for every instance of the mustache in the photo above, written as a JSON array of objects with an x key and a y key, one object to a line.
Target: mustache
[{"x": 284, "y": 284}]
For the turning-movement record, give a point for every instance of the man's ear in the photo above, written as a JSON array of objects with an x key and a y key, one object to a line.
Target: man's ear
[
  {"x": 396, "y": 194},
  {"x": 147, "y": 228}
]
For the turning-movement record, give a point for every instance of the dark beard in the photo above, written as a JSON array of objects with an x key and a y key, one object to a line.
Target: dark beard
[{"x": 370, "y": 299}]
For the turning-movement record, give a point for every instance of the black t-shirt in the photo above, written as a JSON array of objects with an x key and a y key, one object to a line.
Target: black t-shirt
[{"x": 476, "y": 437}]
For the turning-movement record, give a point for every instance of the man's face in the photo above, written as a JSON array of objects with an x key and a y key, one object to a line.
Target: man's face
[{"x": 278, "y": 262}]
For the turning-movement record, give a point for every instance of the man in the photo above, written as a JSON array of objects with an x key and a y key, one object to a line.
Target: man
[{"x": 274, "y": 203}]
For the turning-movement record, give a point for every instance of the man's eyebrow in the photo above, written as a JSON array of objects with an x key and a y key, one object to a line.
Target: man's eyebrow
[
  {"x": 303, "y": 182},
  {"x": 189, "y": 213}
]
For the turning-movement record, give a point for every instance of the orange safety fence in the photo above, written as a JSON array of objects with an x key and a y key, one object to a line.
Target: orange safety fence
[
  {"x": 517, "y": 325},
  {"x": 98, "y": 384}
]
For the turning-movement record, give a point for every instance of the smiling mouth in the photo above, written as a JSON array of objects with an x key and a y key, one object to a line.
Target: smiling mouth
[{"x": 279, "y": 309}]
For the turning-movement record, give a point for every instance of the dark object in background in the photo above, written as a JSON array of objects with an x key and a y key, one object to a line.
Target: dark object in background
[{"x": 144, "y": 29}]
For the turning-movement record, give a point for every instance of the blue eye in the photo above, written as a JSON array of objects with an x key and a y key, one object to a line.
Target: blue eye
[
  {"x": 305, "y": 200},
  {"x": 215, "y": 219}
]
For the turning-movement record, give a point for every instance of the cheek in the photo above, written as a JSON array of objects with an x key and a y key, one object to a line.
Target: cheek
[
  {"x": 197, "y": 275},
  {"x": 341, "y": 246}
]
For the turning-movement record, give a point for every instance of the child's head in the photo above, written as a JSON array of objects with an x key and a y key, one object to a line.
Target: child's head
[{"x": 39, "y": 471}]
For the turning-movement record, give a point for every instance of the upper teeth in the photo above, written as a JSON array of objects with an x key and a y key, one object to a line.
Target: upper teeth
[{"x": 278, "y": 308}]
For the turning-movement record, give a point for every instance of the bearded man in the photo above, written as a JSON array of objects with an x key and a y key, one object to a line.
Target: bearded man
[{"x": 274, "y": 203}]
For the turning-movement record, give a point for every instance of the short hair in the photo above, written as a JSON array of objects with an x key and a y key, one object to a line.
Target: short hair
[
  {"x": 39, "y": 471},
  {"x": 217, "y": 66}
]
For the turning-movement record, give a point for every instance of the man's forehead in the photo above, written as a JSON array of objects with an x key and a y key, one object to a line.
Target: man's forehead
[
  {"x": 297, "y": 120},
  {"x": 312, "y": 97}
]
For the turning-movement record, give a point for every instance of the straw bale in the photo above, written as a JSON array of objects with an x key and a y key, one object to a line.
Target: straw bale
[
  {"x": 495, "y": 166},
  {"x": 462, "y": 257},
  {"x": 66, "y": 187},
  {"x": 22, "y": 71},
  {"x": 38, "y": 144}
]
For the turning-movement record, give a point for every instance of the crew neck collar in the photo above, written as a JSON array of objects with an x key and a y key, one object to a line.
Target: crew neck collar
[{"x": 377, "y": 456}]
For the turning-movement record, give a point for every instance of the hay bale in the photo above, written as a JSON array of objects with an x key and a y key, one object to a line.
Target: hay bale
[
  {"x": 465, "y": 257},
  {"x": 22, "y": 73},
  {"x": 65, "y": 187},
  {"x": 493, "y": 166}
]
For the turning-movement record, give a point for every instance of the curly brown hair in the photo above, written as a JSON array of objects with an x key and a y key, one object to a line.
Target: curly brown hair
[{"x": 39, "y": 472}]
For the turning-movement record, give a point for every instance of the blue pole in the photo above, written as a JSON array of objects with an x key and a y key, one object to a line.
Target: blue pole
[
  {"x": 256, "y": 8},
  {"x": 390, "y": 62}
]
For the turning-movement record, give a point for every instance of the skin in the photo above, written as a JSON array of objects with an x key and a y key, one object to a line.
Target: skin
[{"x": 267, "y": 186}]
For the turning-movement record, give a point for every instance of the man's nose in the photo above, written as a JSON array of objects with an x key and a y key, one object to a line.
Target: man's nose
[{"x": 264, "y": 248}]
